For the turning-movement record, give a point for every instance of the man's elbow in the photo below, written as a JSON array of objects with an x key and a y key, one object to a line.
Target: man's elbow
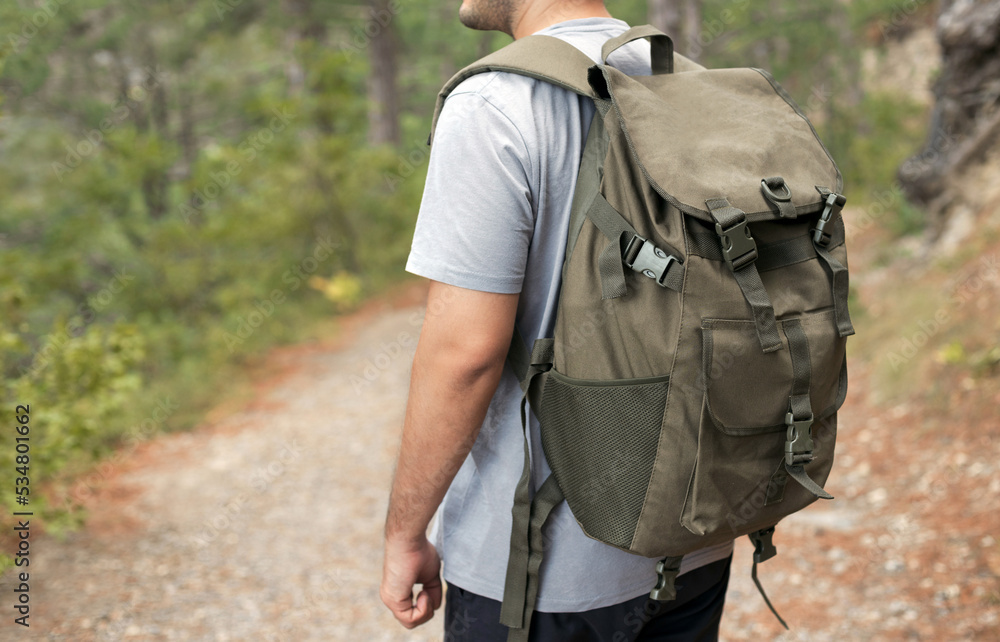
[{"x": 472, "y": 359}]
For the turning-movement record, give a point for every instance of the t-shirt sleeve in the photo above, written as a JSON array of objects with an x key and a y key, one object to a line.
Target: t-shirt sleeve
[{"x": 476, "y": 217}]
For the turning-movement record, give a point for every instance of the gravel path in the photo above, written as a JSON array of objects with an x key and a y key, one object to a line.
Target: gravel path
[{"x": 267, "y": 525}]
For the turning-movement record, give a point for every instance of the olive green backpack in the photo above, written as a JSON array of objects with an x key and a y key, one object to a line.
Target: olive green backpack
[{"x": 690, "y": 393}]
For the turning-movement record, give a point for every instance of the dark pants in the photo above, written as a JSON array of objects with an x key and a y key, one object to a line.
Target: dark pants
[{"x": 693, "y": 617}]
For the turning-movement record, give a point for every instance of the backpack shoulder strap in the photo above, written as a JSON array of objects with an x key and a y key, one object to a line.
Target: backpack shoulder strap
[{"x": 543, "y": 57}]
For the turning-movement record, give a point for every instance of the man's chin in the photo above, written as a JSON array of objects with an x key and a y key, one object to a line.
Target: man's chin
[
  {"x": 470, "y": 18},
  {"x": 480, "y": 18}
]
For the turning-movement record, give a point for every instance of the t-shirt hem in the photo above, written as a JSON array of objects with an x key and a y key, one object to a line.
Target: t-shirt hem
[
  {"x": 417, "y": 265},
  {"x": 552, "y": 605},
  {"x": 694, "y": 561}
]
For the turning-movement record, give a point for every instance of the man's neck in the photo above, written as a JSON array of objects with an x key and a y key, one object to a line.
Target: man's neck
[{"x": 539, "y": 15}]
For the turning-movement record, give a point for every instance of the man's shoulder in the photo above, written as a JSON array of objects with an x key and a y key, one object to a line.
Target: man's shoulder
[
  {"x": 505, "y": 88},
  {"x": 519, "y": 101}
]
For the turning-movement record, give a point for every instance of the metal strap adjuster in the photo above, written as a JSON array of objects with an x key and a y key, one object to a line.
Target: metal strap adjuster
[
  {"x": 650, "y": 260},
  {"x": 738, "y": 247},
  {"x": 834, "y": 203}
]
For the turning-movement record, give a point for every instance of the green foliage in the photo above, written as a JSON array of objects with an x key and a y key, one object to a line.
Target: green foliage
[
  {"x": 77, "y": 384},
  {"x": 871, "y": 140},
  {"x": 169, "y": 218}
]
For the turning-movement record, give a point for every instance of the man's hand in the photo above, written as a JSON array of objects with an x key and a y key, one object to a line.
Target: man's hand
[{"x": 407, "y": 564}]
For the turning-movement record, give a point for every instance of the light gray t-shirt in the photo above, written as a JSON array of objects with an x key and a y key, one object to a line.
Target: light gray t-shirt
[{"x": 494, "y": 216}]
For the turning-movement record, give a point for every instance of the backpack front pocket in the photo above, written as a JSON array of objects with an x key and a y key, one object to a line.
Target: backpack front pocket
[
  {"x": 740, "y": 482},
  {"x": 600, "y": 439}
]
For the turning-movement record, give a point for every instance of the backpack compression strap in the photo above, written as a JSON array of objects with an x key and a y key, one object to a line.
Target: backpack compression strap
[
  {"x": 528, "y": 515},
  {"x": 543, "y": 57}
]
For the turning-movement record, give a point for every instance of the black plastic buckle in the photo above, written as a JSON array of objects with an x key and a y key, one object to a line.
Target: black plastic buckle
[
  {"x": 834, "y": 203},
  {"x": 763, "y": 545},
  {"x": 738, "y": 247},
  {"x": 667, "y": 570},
  {"x": 650, "y": 261},
  {"x": 798, "y": 440}
]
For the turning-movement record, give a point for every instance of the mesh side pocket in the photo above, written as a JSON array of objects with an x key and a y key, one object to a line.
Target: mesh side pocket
[{"x": 600, "y": 439}]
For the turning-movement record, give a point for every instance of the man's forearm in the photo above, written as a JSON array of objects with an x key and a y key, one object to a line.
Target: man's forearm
[{"x": 450, "y": 390}]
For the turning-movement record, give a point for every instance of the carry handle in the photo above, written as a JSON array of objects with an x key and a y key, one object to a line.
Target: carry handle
[{"x": 660, "y": 45}]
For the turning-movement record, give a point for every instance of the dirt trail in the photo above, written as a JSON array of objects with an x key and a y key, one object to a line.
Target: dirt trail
[
  {"x": 267, "y": 524},
  {"x": 264, "y": 526}
]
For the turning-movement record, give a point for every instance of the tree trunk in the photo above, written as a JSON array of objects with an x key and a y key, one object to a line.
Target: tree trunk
[
  {"x": 154, "y": 183},
  {"x": 665, "y": 15},
  {"x": 383, "y": 110},
  {"x": 967, "y": 103},
  {"x": 692, "y": 29},
  {"x": 679, "y": 19},
  {"x": 185, "y": 134}
]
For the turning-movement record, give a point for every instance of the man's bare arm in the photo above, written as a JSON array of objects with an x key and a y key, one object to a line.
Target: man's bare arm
[{"x": 456, "y": 369}]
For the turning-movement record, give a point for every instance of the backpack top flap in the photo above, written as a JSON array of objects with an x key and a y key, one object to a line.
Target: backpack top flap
[{"x": 705, "y": 134}]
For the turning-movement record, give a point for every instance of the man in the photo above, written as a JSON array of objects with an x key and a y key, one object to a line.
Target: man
[{"x": 490, "y": 235}]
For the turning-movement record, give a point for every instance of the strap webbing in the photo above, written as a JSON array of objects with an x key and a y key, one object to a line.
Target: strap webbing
[
  {"x": 838, "y": 272},
  {"x": 840, "y": 287},
  {"x": 521, "y": 585},
  {"x": 518, "y": 583},
  {"x": 760, "y": 589},
  {"x": 800, "y": 407},
  {"x": 611, "y": 263},
  {"x": 799, "y": 474},
  {"x": 661, "y": 47},
  {"x": 588, "y": 179},
  {"x": 727, "y": 218},
  {"x": 798, "y": 350},
  {"x": 526, "y": 365},
  {"x": 763, "y": 550},
  {"x": 770, "y": 256},
  {"x": 515, "y": 585},
  {"x": 518, "y": 356},
  {"x": 611, "y": 223}
]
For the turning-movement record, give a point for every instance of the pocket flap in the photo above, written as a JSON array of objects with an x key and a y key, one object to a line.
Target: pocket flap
[{"x": 747, "y": 391}]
